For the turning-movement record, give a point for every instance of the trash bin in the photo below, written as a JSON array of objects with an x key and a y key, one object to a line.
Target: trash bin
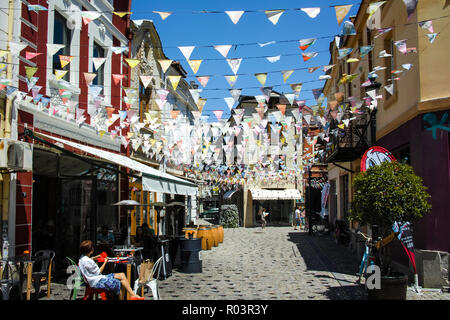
[
  {"x": 166, "y": 267},
  {"x": 190, "y": 255}
]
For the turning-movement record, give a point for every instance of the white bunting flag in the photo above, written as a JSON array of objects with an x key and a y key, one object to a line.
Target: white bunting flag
[
  {"x": 266, "y": 43},
  {"x": 311, "y": 12},
  {"x": 195, "y": 93},
  {"x": 223, "y": 49},
  {"x": 165, "y": 64},
  {"x": 146, "y": 80},
  {"x": 290, "y": 97},
  {"x": 273, "y": 59},
  {"x": 53, "y": 48},
  {"x": 231, "y": 80},
  {"x": 98, "y": 62},
  {"x": 230, "y": 102},
  {"x": 234, "y": 64},
  {"x": 187, "y": 51},
  {"x": 163, "y": 15},
  {"x": 234, "y": 15}
]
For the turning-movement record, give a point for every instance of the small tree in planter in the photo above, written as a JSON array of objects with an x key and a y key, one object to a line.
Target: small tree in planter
[
  {"x": 230, "y": 216},
  {"x": 387, "y": 193}
]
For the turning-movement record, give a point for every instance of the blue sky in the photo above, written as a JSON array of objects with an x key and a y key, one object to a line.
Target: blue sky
[{"x": 185, "y": 28}]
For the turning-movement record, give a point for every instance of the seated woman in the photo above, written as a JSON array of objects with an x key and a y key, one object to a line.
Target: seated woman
[
  {"x": 93, "y": 274},
  {"x": 138, "y": 239}
]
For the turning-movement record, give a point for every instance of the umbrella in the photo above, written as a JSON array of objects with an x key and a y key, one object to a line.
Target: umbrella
[
  {"x": 172, "y": 204},
  {"x": 158, "y": 204},
  {"x": 127, "y": 203}
]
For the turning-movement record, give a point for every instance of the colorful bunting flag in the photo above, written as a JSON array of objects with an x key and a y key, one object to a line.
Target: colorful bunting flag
[
  {"x": 121, "y": 14},
  {"x": 65, "y": 60},
  {"x": 286, "y": 74},
  {"x": 187, "y": 51},
  {"x": 30, "y": 55},
  {"x": 88, "y": 77},
  {"x": 410, "y": 7},
  {"x": 261, "y": 77},
  {"x": 234, "y": 64},
  {"x": 89, "y": 16},
  {"x": 432, "y": 37},
  {"x": 117, "y": 78},
  {"x": 174, "y": 80},
  {"x": 348, "y": 29},
  {"x": 373, "y": 7},
  {"x": 274, "y": 15},
  {"x": 165, "y": 64},
  {"x": 231, "y": 80},
  {"x": 203, "y": 80},
  {"x": 132, "y": 62},
  {"x": 273, "y": 59},
  {"x": 306, "y": 43},
  {"x": 218, "y": 114},
  {"x": 163, "y": 15},
  {"x": 195, "y": 65},
  {"x": 146, "y": 80},
  {"x": 30, "y": 71},
  {"x": 341, "y": 12},
  {"x": 308, "y": 55}
]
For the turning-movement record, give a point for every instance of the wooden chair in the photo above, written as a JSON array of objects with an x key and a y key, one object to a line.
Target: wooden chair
[{"x": 45, "y": 273}]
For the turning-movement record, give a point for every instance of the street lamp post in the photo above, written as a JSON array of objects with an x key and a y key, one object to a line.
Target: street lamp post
[{"x": 373, "y": 113}]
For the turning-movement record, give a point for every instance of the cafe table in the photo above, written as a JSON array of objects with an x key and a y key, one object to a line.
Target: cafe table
[
  {"x": 21, "y": 263},
  {"x": 130, "y": 263}
]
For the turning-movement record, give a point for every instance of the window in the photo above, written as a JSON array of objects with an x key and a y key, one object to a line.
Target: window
[
  {"x": 99, "y": 52},
  {"x": 344, "y": 196},
  {"x": 61, "y": 35}
]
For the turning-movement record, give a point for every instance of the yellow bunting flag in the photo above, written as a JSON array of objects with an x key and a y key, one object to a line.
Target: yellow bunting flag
[
  {"x": 174, "y": 80},
  {"x": 30, "y": 71},
  {"x": 341, "y": 12},
  {"x": 165, "y": 64},
  {"x": 341, "y": 126},
  {"x": 262, "y": 77},
  {"x": 201, "y": 103},
  {"x": 65, "y": 60},
  {"x": 133, "y": 62},
  {"x": 121, "y": 14},
  {"x": 195, "y": 64}
]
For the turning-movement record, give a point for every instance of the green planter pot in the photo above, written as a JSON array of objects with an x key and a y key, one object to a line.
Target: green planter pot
[{"x": 393, "y": 287}]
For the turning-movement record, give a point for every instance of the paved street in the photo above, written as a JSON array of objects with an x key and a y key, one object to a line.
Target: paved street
[{"x": 277, "y": 263}]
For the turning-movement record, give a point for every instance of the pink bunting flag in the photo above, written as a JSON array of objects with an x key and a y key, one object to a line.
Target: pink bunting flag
[
  {"x": 117, "y": 78},
  {"x": 218, "y": 114},
  {"x": 30, "y": 55}
]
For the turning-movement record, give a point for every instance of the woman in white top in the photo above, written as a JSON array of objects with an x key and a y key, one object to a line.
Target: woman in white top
[{"x": 93, "y": 274}]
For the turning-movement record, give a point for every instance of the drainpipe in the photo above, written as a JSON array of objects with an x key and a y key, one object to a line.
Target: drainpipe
[{"x": 6, "y": 132}]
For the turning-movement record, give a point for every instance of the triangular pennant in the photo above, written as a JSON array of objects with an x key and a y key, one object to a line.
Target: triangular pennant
[
  {"x": 312, "y": 69},
  {"x": 274, "y": 15},
  {"x": 373, "y": 7},
  {"x": 146, "y": 80},
  {"x": 297, "y": 87},
  {"x": 121, "y": 14},
  {"x": 30, "y": 71},
  {"x": 218, "y": 114},
  {"x": 195, "y": 65},
  {"x": 230, "y": 102},
  {"x": 234, "y": 64},
  {"x": 236, "y": 93},
  {"x": 308, "y": 55},
  {"x": 231, "y": 80},
  {"x": 266, "y": 43},
  {"x": 98, "y": 62},
  {"x": 306, "y": 43},
  {"x": 273, "y": 59},
  {"x": 187, "y": 51},
  {"x": 344, "y": 52},
  {"x": 16, "y": 47},
  {"x": 132, "y": 62},
  {"x": 162, "y": 94},
  {"x": 282, "y": 108},
  {"x": 390, "y": 89},
  {"x": 163, "y": 15},
  {"x": 261, "y": 77},
  {"x": 401, "y": 46},
  {"x": 427, "y": 25},
  {"x": 328, "y": 67},
  {"x": 119, "y": 50},
  {"x": 117, "y": 78},
  {"x": 410, "y": 7},
  {"x": 317, "y": 92},
  {"x": 165, "y": 64},
  {"x": 235, "y": 16},
  {"x": 341, "y": 12},
  {"x": 174, "y": 80},
  {"x": 311, "y": 12},
  {"x": 432, "y": 37},
  {"x": 88, "y": 77},
  {"x": 201, "y": 103},
  {"x": 348, "y": 29},
  {"x": 89, "y": 16},
  {"x": 223, "y": 49},
  {"x": 203, "y": 80},
  {"x": 65, "y": 60},
  {"x": 174, "y": 114},
  {"x": 267, "y": 91},
  {"x": 31, "y": 55},
  {"x": 364, "y": 50},
  {"x": 195, "y": 93},
  {"x": 290, "y": 97},
  {"x": 286, "y": 74}
]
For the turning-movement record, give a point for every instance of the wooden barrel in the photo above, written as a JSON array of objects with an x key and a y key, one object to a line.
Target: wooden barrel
[
  {"x": 204, "y": 232},
  {"x": 188, "y": 231},
  {"x": 215, "y": 235},
  {"x": 220, "y": 231}
]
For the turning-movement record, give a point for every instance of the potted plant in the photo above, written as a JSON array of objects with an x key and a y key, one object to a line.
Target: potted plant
[{"x": 384, "y": 194}]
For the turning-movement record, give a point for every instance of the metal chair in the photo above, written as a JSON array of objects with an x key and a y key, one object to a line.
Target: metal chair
[
  {"x": 45, "y": 273},
  {"x": 152, "y": 282},
  {"x": 8, "y": 283}
]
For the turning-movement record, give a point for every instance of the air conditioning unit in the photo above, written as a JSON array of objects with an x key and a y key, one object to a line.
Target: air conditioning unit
[{"x": 16, "y": 155}]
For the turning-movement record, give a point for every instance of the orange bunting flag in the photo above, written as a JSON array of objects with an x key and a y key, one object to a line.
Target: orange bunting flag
[
  {"x": 174, "y": 114},
  {"x": 341, "y": 12},
  {"x": 282, "y": 108},
  {"x": 89, "y": 76}
]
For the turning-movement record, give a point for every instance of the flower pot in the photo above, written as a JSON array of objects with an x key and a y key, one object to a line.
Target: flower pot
[{"x": 393, "y": 287}]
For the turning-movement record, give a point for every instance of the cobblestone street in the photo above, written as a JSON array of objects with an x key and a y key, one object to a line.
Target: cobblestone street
[{"x": 278, "y": 263}]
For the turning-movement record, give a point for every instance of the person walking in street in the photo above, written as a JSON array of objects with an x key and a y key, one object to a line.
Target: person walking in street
[
  {"x": 302, "y": 219},
  {"x": 93, "y": 274},
  {"x": 297, "y": 218},
  {"x": 263, "y": 218}
]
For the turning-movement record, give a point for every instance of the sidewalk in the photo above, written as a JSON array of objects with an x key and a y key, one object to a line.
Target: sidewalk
[{"x": 277, "y": 263}]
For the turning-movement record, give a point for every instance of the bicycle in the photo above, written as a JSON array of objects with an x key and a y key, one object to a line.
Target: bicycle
[{"x": 372, "y": 253}]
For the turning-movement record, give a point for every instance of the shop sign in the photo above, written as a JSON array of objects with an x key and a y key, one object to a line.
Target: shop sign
[{"x": 375, "y": 156}]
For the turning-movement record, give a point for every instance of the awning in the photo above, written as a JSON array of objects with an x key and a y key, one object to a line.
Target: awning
[
  {"x": 229, "y": 194},
  {"x": 266, "y": 194},
  {"x": 152, "y": 179}
]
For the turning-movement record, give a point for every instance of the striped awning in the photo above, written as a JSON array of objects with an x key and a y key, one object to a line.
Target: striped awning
[{"x": 266, "y": 194}]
